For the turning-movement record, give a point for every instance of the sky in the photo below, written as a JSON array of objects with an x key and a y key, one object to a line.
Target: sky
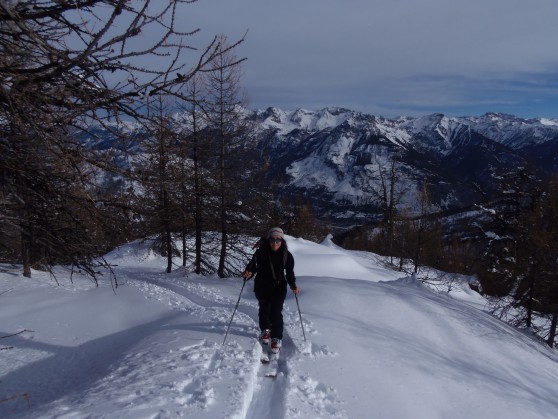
[
  {"x": 392, "y": 57},
  {"x": 378, "y": 344}
]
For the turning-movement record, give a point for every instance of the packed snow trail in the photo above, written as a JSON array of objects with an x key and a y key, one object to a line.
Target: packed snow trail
[{"x": 267, "y": 396}]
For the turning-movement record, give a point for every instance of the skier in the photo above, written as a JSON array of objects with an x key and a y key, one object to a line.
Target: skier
[{"x": 270, "y": 262}]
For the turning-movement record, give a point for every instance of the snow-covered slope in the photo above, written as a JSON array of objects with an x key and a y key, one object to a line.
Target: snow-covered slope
[{"x": 378, "y": 345}]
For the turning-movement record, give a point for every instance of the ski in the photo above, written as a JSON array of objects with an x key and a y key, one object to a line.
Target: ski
[
  {"x": 273, "y": 365},
  {"x": 264, "y": 357},
  {"x": 269, "y": 360}
]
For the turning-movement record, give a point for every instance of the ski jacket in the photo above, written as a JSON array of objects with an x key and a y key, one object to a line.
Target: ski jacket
[{"x": 274, "y": 270}]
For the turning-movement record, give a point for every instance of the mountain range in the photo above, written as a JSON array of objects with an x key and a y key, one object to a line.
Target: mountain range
[{"x": 334, "y": 157}]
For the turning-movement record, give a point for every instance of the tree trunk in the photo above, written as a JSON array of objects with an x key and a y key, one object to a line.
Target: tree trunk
[
  {"x": 552, "y": 332},
  {"x": 168, "y": 235},
  {"x": 26, "y": 255},
  {"x": 529, "y": 303},
  {"x": 197, "y": 209},
  {"x": 223, "y": 254}
]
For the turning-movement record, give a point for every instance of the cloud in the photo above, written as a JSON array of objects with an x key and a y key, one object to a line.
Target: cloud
[{"x": 395, "y": 56}]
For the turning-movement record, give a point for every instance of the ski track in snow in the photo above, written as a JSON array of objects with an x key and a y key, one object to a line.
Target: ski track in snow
[{"x": 197, "y": 376}]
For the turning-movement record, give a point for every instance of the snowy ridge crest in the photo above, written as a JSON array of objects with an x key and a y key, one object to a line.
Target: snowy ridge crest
[
  {"x": 506, "y": 129},
  {"x": 302, "y": 119}
]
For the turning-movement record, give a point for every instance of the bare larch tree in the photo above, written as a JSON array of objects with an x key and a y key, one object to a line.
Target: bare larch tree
[{"x": 65, "y": 66}]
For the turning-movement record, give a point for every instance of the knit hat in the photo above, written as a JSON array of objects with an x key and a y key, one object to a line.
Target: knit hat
[{"x": 275, "y": 232}]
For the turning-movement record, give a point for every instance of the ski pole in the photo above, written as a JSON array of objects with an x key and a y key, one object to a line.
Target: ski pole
[
  {"x": 300, "y": 317},
  {"x": 235, "y": 307}
]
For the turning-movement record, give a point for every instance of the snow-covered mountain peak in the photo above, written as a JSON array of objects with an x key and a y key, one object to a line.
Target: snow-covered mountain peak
[
  {"x": 303, "y": 119},
  {"x": 331, "y": 117},
  {"x": 513, "y": 131},
  {"x": 272, "y": 117},
  {"x": 426, "y": 123},
  {"x": 549, "y": 122},
  {"x": 506, "y": 129},
  {"x": 436, "y": 131}
]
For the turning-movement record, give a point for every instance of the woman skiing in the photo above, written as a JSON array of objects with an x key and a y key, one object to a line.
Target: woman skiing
[{"x": 274, "y": 267}]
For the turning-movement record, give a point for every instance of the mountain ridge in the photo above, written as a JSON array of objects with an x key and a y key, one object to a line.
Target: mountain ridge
[
  {"x": 507, "y": 129},
  {"x": 334, "y": 157}
]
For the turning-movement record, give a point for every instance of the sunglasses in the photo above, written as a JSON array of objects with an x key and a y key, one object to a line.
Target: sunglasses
[{"x": 272, "y": 241}]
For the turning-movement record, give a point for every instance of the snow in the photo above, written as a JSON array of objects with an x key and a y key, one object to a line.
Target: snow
[
  {"x": 379, "y": 344},
  {"x": 547, "y": 121},
  {"x": 505, "y": 129},
  {"x": 287, "y": 121}
]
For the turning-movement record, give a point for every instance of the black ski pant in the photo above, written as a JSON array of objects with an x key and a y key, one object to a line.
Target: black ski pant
[{"x": 270, "y": 313}]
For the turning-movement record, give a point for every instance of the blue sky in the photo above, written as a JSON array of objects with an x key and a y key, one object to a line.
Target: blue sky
[{"x": 392, "y": 57}]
